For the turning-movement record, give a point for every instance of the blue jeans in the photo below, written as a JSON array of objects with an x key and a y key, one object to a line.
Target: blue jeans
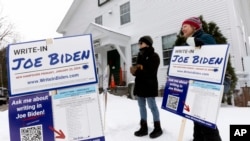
[{"x": 151, "y": 104}]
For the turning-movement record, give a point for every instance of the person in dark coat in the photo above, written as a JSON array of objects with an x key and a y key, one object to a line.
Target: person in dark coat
[
  {"x": 192, "y": 31},
  {"x": 146, "y": 85}
]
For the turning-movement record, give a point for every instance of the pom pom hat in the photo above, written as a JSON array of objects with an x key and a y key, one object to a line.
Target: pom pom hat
[
  {"x": 146, "y": 39},
  {"x": 193, "y": 21}
]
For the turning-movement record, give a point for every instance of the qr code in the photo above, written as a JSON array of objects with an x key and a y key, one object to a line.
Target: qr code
[
  {"x": 172, "y": 102},
  {"x": 31, "y": 133}
]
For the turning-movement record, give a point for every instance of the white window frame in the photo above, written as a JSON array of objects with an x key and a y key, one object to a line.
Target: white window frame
[
  {"x": 125, "y": 13},
  {"x": 168, "y": 42}
]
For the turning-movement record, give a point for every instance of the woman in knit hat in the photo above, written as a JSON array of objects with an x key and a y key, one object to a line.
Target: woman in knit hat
[
  {"x": 192, "y": 31},
  {"x": 146, "y": 86}
]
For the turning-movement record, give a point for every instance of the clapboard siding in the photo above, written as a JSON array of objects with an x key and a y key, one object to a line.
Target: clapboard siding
[{"x": 157, "y": 18}]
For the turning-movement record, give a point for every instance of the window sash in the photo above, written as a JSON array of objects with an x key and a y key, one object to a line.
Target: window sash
[
  {"x": 98, "y": 20},
  {"x": 134, "y": 53},
  {"x": 125, "y": 13},
  {"x": 168, "y": 42}
]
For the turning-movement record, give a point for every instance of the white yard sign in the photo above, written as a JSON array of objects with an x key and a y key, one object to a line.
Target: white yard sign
[
  {"x": 40, "y": 65},
  {"x": 194, "y": 87},
  {"x": 205, "y": 64}
]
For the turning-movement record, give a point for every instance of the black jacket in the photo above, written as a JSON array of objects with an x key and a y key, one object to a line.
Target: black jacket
[{"x": 146, "y": 82}]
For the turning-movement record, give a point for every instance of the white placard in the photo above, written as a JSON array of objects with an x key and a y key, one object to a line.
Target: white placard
[
  {"x": 42, "y": 65},
  {"x": 205, "y": 64}
]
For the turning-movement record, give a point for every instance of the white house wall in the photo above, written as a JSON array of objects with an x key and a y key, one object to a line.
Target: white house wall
[
  {"x": 242, "y": 8},
  {"x": 157, "y": 18}
]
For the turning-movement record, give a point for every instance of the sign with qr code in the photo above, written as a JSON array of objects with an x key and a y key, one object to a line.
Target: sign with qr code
[
  {"x": 194, "y": 87},
  {"x": 40, "y": 65},
  {"x": 58, "y": 108},
  {"x": 30, "y": 116}
]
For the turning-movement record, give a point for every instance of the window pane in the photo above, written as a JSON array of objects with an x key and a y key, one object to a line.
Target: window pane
[
  {"x": 166, "y": 62},
  {"x": 134, "y": 49},
  {"x": 167, "y": 47},
  {"x": 168, "y": 41},
  {"x": 134, "y": 53},
  {"x": 98, "y": 20},
  {"x": 125, "y": 13},
  {"x": 125, "y": 19}
]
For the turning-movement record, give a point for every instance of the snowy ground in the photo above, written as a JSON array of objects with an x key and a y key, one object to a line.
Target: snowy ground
[{"x": 122, "y": 119}]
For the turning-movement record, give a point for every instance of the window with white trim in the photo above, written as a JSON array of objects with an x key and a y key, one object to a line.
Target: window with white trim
[
  {"x": 134, "y": 53},
  {"x": 125, "y": 13},
  {"x": 98, "y": 20},
  {"x": 168, "y": 42}
]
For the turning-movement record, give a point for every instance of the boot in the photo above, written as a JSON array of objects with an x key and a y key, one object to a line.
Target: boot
[
  {"x": 157, "y": 130},
  {"x": 143, "y": 130}
]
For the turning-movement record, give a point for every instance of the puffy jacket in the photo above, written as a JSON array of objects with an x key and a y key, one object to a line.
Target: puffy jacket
[
  {"x": 208, "y": 39},
  {"x": 146, "y": 82}
]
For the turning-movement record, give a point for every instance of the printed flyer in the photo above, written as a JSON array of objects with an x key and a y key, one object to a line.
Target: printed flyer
[{"x": 78, "y": 109}]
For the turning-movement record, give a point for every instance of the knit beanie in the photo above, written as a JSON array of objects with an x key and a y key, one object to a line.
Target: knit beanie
[
  {"x": 193, "y": 21},
  {"x": 146, "y": 39}
]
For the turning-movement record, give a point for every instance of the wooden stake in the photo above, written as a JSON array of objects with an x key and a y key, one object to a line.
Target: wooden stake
[{"x": 181, "y": 132}]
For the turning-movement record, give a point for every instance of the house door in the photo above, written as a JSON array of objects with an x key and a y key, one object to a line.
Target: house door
[{"x": 114, "y": 65}]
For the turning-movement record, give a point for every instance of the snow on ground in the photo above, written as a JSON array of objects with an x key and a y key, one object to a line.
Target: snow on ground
[{"x": 122, "y": 119}]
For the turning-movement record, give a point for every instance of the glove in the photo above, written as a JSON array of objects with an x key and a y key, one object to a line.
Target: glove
[{"x": 195, "y": 42}]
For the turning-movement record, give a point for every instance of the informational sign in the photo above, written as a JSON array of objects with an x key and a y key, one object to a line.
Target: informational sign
[
  {"x": 30, "y": 117},
  {"x": 205, "y": 64},
  {"x": 64, "y": 107},
  {"x": 194, "y": 87},
  {"x": 78, "y": 109},
  {"x": 44, "y": 65}
]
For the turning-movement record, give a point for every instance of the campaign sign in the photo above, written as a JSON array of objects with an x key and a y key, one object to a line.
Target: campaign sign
[
  {"x": 76, "y": 112},
  {"x": 54, "y": 91},
  {"x": 70, "y": 114},
  {"x": 205, "y": 64},
  {"x": 33, "y": 117},
  {"x": 194, "y": 87},
  {"x": 47, "y": 64}
]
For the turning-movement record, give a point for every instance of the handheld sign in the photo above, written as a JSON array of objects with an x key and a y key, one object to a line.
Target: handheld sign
[
  {"x": 37, "y": 65},
  {"x": 54, "y": 91},
  {"x": 194, "y": 87}
]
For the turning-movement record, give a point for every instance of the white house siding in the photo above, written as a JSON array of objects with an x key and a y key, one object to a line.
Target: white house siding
[
  {"x": 243, "y": 12},
  {"x": 156, "y": 18}
]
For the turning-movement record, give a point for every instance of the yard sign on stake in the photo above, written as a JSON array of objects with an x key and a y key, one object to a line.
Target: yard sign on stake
[
  {"x": 194, "y": 87},
  {"x": 54, "y": 90}
]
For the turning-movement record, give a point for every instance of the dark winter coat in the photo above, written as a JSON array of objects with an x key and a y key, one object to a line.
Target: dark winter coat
[
  {"x": 202, "y": 132},
  {"x": 205, "y": 38},
  {"x": 146, "y": 82}
]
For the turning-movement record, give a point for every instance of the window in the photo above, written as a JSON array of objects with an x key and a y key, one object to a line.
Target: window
[
  {"x": 101, "y": 2},
  {"x": 125, "y": 13},
  {"x": 98, "y": 20},
  {"x": 168, "y": 42},
  {"x": 134, "y": 53}
]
